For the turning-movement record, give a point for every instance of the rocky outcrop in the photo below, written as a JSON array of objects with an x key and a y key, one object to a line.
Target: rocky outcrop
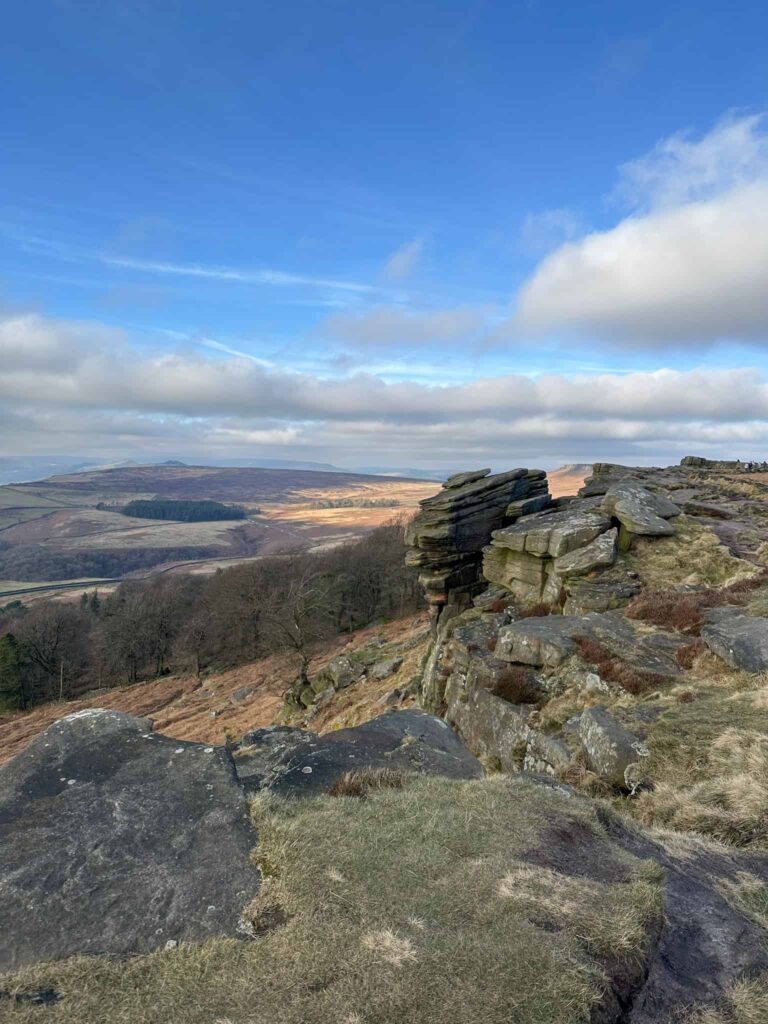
[
  {"x": 639, "y": 511},
  {"x": 114, "y": 839},
  {"x": 563, "y": 558},
  {"x": 522, "y": 557},
  {"x": 610, "y": 748},
  {"x": 740, "y": 640},
  {"x": 447, "y": 536},
  {"x": 296, "y": 762},
  {"x": 723, "y": 465},
  {"x": 549, "y": 640}
]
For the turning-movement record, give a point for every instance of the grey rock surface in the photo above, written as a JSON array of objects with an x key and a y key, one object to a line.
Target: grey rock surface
[
  {"x": 639, "y": 511},
  {"x": 740, "y": 640},
  {"x": 552, "y": 534},
  {"x": 611, "y": 590},
  {"x": 609, "y": 746},
  {"x": 542, "y": 641},
  {"x": 548, "y": 640},
  {"x": 341, "y": 672},
  {"x": 460, "y": 479},
  {"x": 599, "y": 554},
  {"x": 115, "y": 839},
  {"x": 408, "y": 740},
  {"x": 445, "y": 539},
  {"x": 386, "y": 668},
  {"x": 241, "y": 695}
]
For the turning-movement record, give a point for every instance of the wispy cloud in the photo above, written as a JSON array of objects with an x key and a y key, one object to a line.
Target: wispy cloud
[
  {"x": 243, "y": 275},
  {"x": 212, "y": 343},
  {"x": 402, "y": 263}
]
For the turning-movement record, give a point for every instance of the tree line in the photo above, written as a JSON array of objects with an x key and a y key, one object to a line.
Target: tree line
[
  {"x": 179, "y": 511},
  {"x": 147, "y": 628},
  {"x": 38, "y": 562}
]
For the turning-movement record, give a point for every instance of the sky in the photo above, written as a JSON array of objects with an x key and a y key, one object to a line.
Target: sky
[{"x": 428, "y": 234}]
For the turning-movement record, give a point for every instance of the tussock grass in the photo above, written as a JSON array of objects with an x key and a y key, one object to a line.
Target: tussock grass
[
  {"x": 708, "y": 765},
  {"x": 749, "y": 894},
  {"x": 417, "y": 905},
  {"x": 746, "y": 1002},
  {"x": 694, "y": 556},
  {"x": 361, "y": 781}
]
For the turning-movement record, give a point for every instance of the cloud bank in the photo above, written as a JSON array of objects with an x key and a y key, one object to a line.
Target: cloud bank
[
  {"x": 84, "y": 384},
  {"x": 688, "y": 266}
]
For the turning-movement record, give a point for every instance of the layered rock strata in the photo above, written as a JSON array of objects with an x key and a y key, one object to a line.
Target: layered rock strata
[
  {"x": 447, "y": 536},
  {"x": 492, "y": 665}
]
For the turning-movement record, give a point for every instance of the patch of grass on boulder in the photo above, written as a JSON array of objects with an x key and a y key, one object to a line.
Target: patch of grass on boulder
[
  {"x": 694, "y": 557},
  {"x": 708, "y": 765},
  {"x": 422, "y": 905}
]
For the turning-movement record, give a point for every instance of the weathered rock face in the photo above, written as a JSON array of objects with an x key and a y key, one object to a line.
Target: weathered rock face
[
  {"x": 488, "y": 675},
  {"x": 447, "y": 536},
  {"x": 706, "y": 943},
  {"x": 532, "y": 557},
  {"x": 610, "y": 748},
  {"x": 740, "y": 640},
  {"x": 640, "y": 511},
  {"x": 723, "y": 465},
  {"x": 302, "y": 763},
  {"x": 114, "y": 839},
  {"x": 598, "y": 554}
]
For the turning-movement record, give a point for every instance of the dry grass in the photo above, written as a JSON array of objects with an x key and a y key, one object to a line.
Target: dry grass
[
  {"x": 693, "y": 557},
  {"x": 746, "y": 1002},
  {"x": 535, "y": 611},
  {"x": 362, "y": 781},
  {"x": 182, "y": 706},
  {"x": 748, "y": 894},
  {"x": 708, "y": 765},
  {"x": 683, "y": 610},
  {"x": 687, "y": 656},
  {"x": 518, "y": 686},
  {"x": 416, "y": 906},
  {"x": 614, "y": 669}
]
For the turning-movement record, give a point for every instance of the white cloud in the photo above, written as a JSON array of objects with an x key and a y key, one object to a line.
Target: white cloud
[
  {"x": 402, "y": 263},
  {"x": 98, "y": 390},
  {"x": 690, "y": 267},
  {"x": 681, "y": 170}
]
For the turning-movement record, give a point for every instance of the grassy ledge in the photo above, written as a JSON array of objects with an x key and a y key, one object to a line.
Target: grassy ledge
[{"x": 427, "y": 904}]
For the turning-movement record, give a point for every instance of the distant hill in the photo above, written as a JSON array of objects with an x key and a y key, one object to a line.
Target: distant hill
[
  {"x": 568, "y": 479},
  {"x": 217, "y": 483}
]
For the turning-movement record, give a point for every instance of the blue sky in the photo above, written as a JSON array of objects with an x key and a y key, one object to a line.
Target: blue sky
[{"x": 424, "y": 234}]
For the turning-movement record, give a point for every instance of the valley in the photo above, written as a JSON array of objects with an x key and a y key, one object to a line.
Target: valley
[
  {"x": 68, "y": 529},
  {"x": 55, "y": 539}
]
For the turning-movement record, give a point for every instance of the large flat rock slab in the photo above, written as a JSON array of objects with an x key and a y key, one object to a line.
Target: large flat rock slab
[
  {"x": 740, "y": 640},
  {"x": 115, "y": 839},
  {"x": 639, "y": 511},
  {"x": 406, "y": 740},
  {"x": 548, "y": 640},
  {"x": 553, "y": 534}
]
